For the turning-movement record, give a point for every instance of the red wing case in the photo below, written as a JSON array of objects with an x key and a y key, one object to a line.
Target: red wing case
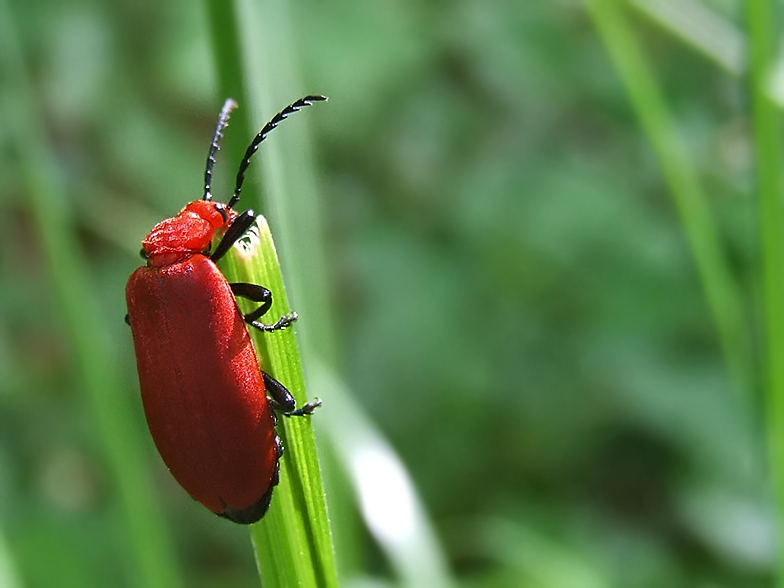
[{"x": 202, "y": 387}]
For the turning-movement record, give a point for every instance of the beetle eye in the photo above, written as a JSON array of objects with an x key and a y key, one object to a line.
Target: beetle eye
[
  {"x": 222, "y": 210},
  {"x": 143, "y": 254}
]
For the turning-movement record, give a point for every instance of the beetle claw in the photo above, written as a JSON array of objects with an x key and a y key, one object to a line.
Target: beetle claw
[
  {"x": 282, "y": 323},
  {"x": 306, "y": 409}
]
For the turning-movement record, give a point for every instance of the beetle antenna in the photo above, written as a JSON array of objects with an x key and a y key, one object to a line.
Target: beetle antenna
[
  {"x": 223, "y": 121},
  {"x": 254, "y": 145}
]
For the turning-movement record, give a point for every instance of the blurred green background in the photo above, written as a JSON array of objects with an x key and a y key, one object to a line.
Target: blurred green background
[{"x": 514, "y": 299}]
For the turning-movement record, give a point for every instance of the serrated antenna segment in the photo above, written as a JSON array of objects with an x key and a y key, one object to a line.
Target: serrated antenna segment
[{"x": 254, "y": 145}]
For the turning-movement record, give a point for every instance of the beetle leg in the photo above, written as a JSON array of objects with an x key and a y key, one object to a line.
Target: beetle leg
[
  {"x": 255, "y": 293},
  {"x": 261, "y": 294},
  {"x": 283, "y": 401},
  {"x": 306, "y": 409},
  {"x": 281, "y": 398},
  {"x": 234, "y": 233}
]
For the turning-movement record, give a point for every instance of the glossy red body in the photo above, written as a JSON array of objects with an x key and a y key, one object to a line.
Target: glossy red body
[{"x": 201, "y": 384}]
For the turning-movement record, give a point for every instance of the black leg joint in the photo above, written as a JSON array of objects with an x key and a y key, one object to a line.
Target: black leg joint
[
  {"x": 281, "y": 398},
  {"x": 255, "y": 293},
  {"x": 284, "y": 402},
  {"x": 261, "y": 294}
]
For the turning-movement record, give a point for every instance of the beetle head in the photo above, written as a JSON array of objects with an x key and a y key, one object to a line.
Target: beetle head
[{"x": 190, "y": 232}]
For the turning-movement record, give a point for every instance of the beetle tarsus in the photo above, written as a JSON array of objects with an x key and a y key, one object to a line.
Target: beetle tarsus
[
  {"x": 306, "y": 409},
  {"x": 282, "y": 323}
]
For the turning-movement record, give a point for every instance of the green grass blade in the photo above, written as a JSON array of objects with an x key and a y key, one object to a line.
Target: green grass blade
[
  {"x": 760, "y": 16},
  {"x": 263, "y": 42},
  {"x": 717, "y": 38},
  {"x": 695, "y": 215},
  {"x": 288, "y": 170},
  {"x": 151, "y": 561},
  {"x": 700, "y": 27},
  {"x": 292, "y": 542}
]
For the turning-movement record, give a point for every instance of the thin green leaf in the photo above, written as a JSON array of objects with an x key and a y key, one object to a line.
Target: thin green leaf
[
  {"x": 768, "y": 158},
  {"x": 292, "y": 542},
  {"x": 713, "y": 36},
  {"x": 261, "y": 39},
  {"x": 695, "y": 214},
  {"x": 701, "y": 28}
]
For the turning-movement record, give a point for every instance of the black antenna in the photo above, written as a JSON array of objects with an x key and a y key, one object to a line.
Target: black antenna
[
  {"x": 254, "y": 145},
  {"x": 223, "y": 120}
]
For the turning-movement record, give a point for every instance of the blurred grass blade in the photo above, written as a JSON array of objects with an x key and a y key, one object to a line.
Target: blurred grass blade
[
  {"x": 713, "y": 36},
  {"x": 695, "y": 215},
  {"x": 389, "y": 503},
  {"x": 260, "y": 71},
  {"x": 701, "y": 28},
  {"x": 288, "y": 169},
  {"x": 292, "y": 542},
  {"x": 760, "y": 16},
  {"x": 152, "y": 561},
  {"x": 269, "y": 64},
  {"x": 773, "y": 82}
]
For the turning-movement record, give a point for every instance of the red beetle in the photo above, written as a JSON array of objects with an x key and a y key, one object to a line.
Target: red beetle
[{"x": 204, "y": 394}]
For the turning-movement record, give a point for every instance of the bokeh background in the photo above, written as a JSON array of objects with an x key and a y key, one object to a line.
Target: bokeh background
[{"x": 515, "y": 305}]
